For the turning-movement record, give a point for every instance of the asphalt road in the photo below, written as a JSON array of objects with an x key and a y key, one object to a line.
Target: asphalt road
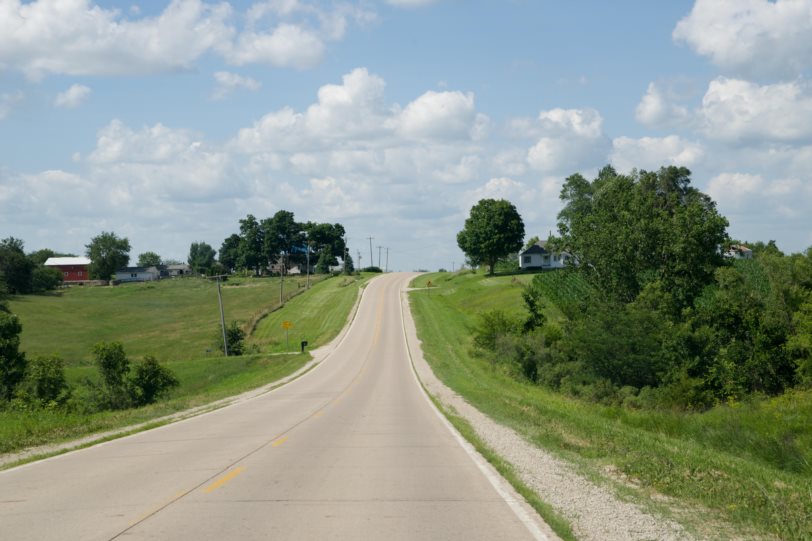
[{"x": 351, "y": 450}]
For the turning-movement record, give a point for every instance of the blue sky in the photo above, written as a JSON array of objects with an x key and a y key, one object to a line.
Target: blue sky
[{"x": 167, "y": 122}]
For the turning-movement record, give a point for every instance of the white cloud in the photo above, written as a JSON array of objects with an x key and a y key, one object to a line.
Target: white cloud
[
  {"x": 651, "y": 153},
  {"x": 736, "y": 110},
  {"x": 409, "y": 3},
  {"x": 657, "y": 109},
  {"x": 79, "y": 38},
  {"x": 228, "y": 82},
  {"x": 8, "y": 101},
  {"x": 442, "y": 115},
  {"x": 752, "y": 37},
  {"x": 72, "y": 97},
  {"x": 572, "y": 140}
]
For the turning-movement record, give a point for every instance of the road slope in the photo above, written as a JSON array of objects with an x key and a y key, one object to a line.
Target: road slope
[{"x": 352, "y": 450}]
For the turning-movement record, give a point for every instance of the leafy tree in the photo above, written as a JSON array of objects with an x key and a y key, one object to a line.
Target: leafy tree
[
  {"x": 149, "y": 259},
  {"x": 230, "y": 252},
  {"x": 252, "y": 245},
  {"x": 150, "y": 381},
  {"x": 285, "y": 237},
  {"x": 113, "y": 367},
  {"x": 15, "y": 268},
  {"x": 532, "y": 241},
  {"x": 107, "y": 253},
  {"x": 45, "y": 381},
  {"x": 325, "y": 259},
  {"x": 349, "y": 268},
  {"x": 41, "y": 256},
  {"x": 45, "y": 279},
  {"x": 325, "y": 238},
  {"x": 201, "y": 257},
  {"x": 629, "y": 230},
  {"x": 235, "y": 337},
  {"x": 12, "y": 360},
  {"x": 493, "y": 230}
]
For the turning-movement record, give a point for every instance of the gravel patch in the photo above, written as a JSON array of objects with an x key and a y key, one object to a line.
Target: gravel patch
[{"x": 594, "y": 512}]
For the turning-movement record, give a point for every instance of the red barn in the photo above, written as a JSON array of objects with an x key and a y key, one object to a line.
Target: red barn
[{"x": 74, "y": 269}]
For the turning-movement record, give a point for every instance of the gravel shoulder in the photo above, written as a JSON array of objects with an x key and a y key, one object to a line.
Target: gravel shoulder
[{"x": 594, "y": 511}]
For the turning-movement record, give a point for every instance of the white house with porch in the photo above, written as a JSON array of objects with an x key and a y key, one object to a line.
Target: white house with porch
[{"x": 539, "y": 256}]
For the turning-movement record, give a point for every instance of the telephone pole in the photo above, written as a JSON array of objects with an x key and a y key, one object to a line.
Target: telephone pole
[
  {"x": 379, "y": 256},
  {"x": 386, "y": 269},
  {"x": 371, "y": 259},
  {"x": 359, "y": 261}
]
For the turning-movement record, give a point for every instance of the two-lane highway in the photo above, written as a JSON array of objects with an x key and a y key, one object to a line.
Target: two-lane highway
[{"x": 351, "y": 450}]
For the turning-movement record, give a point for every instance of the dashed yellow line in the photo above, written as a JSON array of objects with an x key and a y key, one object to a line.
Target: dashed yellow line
[
  {"x": 280, "y": 441},
  {"x": 223, "y": 480}
]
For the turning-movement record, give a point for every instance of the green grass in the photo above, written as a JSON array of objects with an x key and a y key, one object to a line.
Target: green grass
[
  {"x": 201, "y": 381},
  {"x": 181, "y": 323},
  {"x": 747, "y": 464},
  {"x": 170, "y": 319},
  {"x": 316, "y": 317}
]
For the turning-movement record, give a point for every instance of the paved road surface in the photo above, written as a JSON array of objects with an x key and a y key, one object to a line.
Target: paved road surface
[{"x": 352, "y": 450}]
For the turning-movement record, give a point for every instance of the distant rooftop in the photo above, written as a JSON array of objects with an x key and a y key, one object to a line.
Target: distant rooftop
[{"x": 57, "y": 261}]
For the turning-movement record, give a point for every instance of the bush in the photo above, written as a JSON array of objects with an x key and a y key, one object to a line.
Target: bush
[
  {"x": 113, "y": 367},
  {"x": 45, "y": 279},
  {"x": 372, "y": 269},
  {"x": 151, "y": 381},
  {"x": 493, "y": 325},
  {"x": 45, "y": 382},
  {"x": 235, "y": 337},
  {"x": 12, "y": 360}
]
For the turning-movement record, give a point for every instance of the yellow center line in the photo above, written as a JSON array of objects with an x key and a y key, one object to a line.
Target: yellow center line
[
  {"x": 223, "y": 480},
  {"x": 280, "y": 441}
]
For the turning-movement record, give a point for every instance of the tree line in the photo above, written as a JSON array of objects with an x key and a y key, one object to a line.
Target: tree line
[{"x": 668, "y": 321}]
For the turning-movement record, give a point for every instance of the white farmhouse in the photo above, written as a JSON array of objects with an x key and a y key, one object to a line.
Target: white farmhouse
[{"x": 539, "y": 257}]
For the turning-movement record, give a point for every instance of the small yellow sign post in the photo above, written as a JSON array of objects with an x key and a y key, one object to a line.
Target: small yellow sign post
[{"x": 287, "y": 325}]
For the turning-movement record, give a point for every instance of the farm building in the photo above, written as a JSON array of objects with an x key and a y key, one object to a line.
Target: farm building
[
  {"x": 138, "y": 274},
  {"x": 539, "y": 257},
  {"x": 74, "y": 269}
]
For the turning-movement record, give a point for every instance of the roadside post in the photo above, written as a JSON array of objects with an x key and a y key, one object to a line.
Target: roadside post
[{"x": 287, "y": 325}]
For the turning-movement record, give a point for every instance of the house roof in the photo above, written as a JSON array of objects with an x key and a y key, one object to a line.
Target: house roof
[
  {"x": 57, "y": 261},
  {"x": 137, "y": 269},
  {"x": 538, "y": 248}
]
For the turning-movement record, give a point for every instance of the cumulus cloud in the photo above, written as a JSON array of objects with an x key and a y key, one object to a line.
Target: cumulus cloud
[
  {"x": 658, "y": 109},
  {"x": 72, "y": 97},
  {"x": 651, "y": 153},
  {"x": 8, "y": 101},
  {"x": 442, "y": 115},
  {"x": 751, "y": 37},
  {"x": 79, "y": 38},
  {"x": 737, "y": 110},
  {"x": 409, "y": 3},
  {"x": 228, "y": 82},
  {"x": 571, "y": 139}
]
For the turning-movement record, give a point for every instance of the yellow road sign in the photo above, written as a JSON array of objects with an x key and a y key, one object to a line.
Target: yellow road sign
[{"x": 287, "y": 325}]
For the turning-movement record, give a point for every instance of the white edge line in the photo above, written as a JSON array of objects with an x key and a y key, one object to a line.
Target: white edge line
[
  {"x": 92, "y": 445},
  {"x": 493, "y": 476}
]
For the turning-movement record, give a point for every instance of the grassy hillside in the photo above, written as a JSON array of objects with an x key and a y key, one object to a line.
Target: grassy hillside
[
  {"x": 181, "y": 323},
  {"x": 750, "y": 465},
  {"x": 171, "y": 319}
]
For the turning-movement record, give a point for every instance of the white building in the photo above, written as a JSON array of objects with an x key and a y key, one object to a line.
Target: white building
[
  {"x": 539, "y": 257},
  {"x": 138, "y": 274}
]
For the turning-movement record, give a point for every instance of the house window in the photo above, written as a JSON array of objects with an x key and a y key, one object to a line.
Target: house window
[
  {"x": 133, "y": 275},
  {"x": 65, "y": 273},
  {"x": 526, "y": 259},
  {"x": 80, "y": 274}
]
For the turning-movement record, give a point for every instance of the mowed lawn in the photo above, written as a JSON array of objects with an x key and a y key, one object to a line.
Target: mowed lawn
[
  {"x": 316, "y": 317},
  {"x": 749, "y": 466},
  {"x": 170, "y": 319}
]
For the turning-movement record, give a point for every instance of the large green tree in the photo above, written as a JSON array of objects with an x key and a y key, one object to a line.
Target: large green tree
[
  {"x": 107, "y": 253},
  {"x": 285, "y": 237},
  {"x": 16, "y": 270},
  {"x": 12, "y": 360},
  {"x": 325, "y": 238},
  {"x": 149, "y": 259},
  {"x": 493, "y": 231},
  {"x": 201, "y": 257},
  {"x": 230, "y": 252},
  {"x": 627, "y": 231},
  {"x": 251, "y": 244}
]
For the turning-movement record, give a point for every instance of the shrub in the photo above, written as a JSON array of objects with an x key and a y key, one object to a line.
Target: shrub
[
  {"x": 45, "y": 382},
  {"x": 45, "y": 279},
  {"x": 491, "y": 326},
  {"x": 235, "y": 337},
  {"x": 12, "y": 360},
  {"x": 150, "y": 381},
  {"x": 113, "y": 367}
]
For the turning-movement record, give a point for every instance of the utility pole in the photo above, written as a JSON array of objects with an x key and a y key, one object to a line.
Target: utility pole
[
  {"x": 452, "y": 266},
  {"x": 371, "y": 259},
  {"x": 308, "y": 265},
  {"x": 222, "y": 315},
  {"x": 386, "y": 269},
  {"x": 359, "y": 260},
  {"x": 379, "y": 256},
  {"x": 346, "y": 251},
  {"x": 281, "y": 281}
]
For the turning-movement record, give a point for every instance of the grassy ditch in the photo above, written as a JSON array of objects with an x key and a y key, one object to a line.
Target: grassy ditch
[{"x": 748, "y": 465}]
